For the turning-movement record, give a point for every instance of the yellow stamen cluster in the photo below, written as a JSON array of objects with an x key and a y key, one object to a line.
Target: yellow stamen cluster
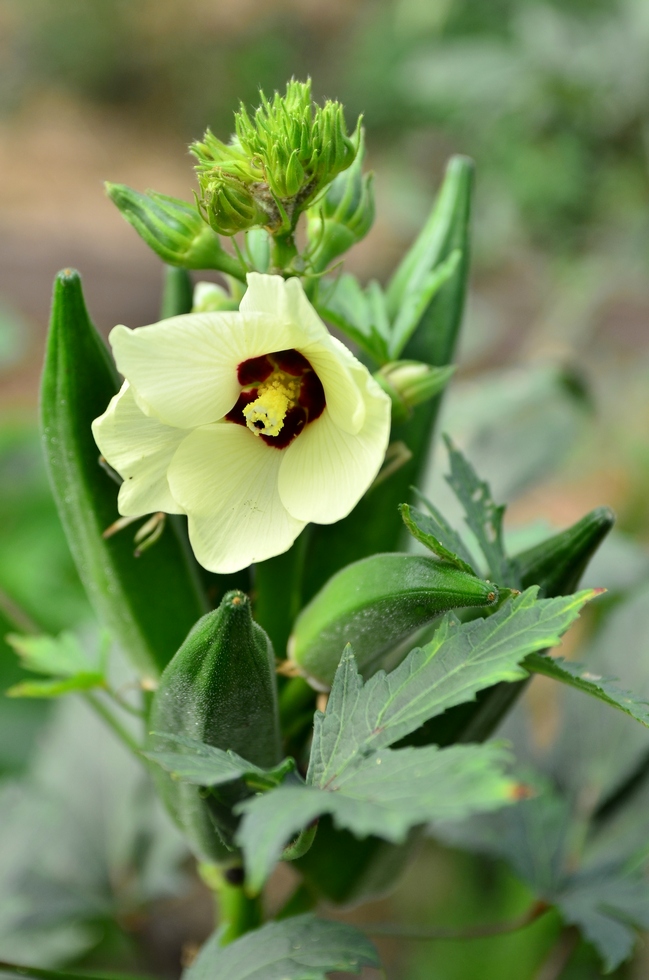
[{"x": 265, "y": 416}]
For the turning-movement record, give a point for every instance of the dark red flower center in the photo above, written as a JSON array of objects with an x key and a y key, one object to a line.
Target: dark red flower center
[{"x": 307, "y": 397}]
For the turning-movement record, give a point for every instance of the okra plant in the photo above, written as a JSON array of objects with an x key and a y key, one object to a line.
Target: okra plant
[{"x": 322, "y": 657}]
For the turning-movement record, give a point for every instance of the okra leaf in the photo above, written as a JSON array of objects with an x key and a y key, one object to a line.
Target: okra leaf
[
  {"x": 58, "y": 656},
  {"x": 56, "y": 688},
  {"x": 15, "y": 970},
  {"x": 358, "y": 313},
  {"x": 206, "y": 765},
  {"x": 459, "y": 661},
  {"x": 577, "y": 675},
  {"x": 607, "y": 906},
  {"x": 370, "y": 341},
  {"x": 605, "y": 901},
  {"x": 384, "y": 793},
  {"x": 299, "y": 948},
  {"x": 434, "y": 533},
  {"x": 484, "y": 517}
]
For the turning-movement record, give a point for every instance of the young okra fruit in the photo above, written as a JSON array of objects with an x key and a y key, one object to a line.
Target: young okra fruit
[
  {"x": 376, "y": 603},
  {"x": 219, "y": 689}
]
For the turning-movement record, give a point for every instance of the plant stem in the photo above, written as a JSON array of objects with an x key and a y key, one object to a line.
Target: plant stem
[
  {"x": 123, "y": 735},
  {"x": 475, "y": 932},
  {"x": 237, "y": 913},
  {"x": 278, "y": 588},
  {"x": 20, "y": 619},
  {"x": 560, "y": 955},
  {"x": 302, "y": 900},
  {"x": 283, "y": 251}
]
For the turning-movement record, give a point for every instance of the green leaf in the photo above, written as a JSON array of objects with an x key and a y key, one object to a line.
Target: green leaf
[
  {"x": 430, "y": 246},
  {"x": 531, "y": 836},
  {"x": 384, "y": 793},
  {"x": 205, "y": 765},
  {"x": 58, "y": 656},
  {"x": 606, "y": 905},
  {"x": 484, "y": 517},
  {"x": 56, "y": 688},
  {"x": 577, "y": 675},
  {"x": 416, "y": 301},
  {"x": 537, "y": 838},
  {"x": 36, "y": 973},
  {"x": 299, "y": 948},
  {"x": 360, "y": 314},
  {"x": 459, "y": 661},
  {"x": 149, "y": 603},
  {"x": 434, "y": 533}
]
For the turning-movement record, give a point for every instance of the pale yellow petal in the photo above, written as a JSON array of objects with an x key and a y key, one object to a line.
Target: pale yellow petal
[
  {"x": 225, "y": 478},
  {"x": 285, "y": 300},
  {"x": 140, "y": 449},
  {"x": 184, "y": 369},
  {"x": 326, "y": 470}
]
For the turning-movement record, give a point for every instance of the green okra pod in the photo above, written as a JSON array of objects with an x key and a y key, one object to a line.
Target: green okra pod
[
  {"x": 219, "y": 688},
  {"x": 376, "y": 603},
  {"x": 558, "y": 563},
  {"x": 148, "y": 603}
]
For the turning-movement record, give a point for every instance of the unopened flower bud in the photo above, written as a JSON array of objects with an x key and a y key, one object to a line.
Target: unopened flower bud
[
  {"x": 174, "y": 229},
  {"x": 408, "y": 383},
  {"x": 230, "y": 205},
  {"x": 210, "y": 298},
  {"x": 342, "y": 216}
]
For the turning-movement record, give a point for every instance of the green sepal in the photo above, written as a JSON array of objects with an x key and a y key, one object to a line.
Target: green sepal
[
  {"x": 375, "y": 604},
  {"x": 148, "y": 603},
  {"x": 220, "y": 689}
]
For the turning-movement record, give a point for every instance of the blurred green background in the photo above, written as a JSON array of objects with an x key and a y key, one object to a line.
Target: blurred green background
[{"x": 552, "y": 400}]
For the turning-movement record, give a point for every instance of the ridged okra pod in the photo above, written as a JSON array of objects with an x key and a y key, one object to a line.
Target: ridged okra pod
[
  {"x": 219, "y": 688},
  {"x": 148, "y": 603},
  {"x": 376, "y": 603}
]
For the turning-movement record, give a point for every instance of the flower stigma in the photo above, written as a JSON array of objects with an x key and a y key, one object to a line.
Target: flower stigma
[{"x": 265, "y": 416}]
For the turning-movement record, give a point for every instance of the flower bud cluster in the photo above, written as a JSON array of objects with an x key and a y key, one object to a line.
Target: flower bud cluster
[{"x": 278, "y": 161}]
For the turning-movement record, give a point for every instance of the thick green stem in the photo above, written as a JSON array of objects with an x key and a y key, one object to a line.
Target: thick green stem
[
  {"x": 284, "y": 250},
  {"x": 279, "y": 594},
  {"x": 237, "y": 912},
  {"x": 177, "y": 292}
]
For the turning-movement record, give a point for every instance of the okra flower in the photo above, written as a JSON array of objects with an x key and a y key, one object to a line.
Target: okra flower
[{"x": 252, "y": 423}]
